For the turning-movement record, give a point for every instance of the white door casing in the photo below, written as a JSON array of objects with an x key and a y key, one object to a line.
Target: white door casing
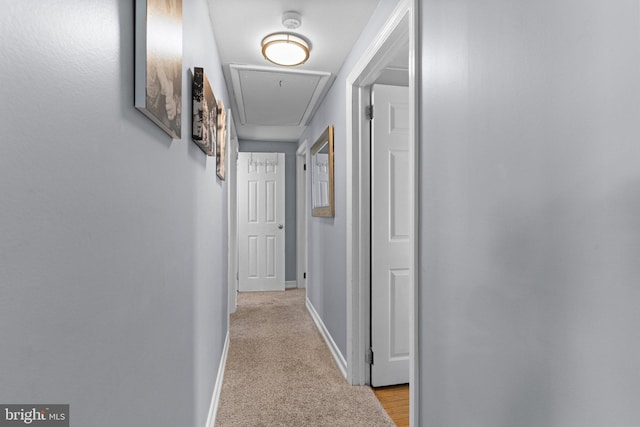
[
  {"x": 391, "y": 250},
  {"x": 261, "y": 198},
  {"x": 402, "y": 23},
  {"x": 301, "y": 215},
  {"x": 232, "y": 203}
]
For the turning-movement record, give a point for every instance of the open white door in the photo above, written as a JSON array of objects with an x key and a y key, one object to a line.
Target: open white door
[
  {"x": 261, "y": 221},
  {"x": 391, "y": 249}
]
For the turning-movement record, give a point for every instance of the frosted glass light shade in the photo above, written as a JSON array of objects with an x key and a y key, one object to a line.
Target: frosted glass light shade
[{"x": 285, "y": 49}]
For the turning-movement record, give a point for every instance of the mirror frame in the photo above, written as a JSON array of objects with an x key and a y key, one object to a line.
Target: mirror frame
[{"x": 324, "y": 211}]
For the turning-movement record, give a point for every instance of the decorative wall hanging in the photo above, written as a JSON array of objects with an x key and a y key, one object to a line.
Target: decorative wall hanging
[
  {"x": 205, "y": 113},
  {"x": 322, "y": 193},
  {"x": 222, "y": 141},
  {"x": 158, "y": 63}
]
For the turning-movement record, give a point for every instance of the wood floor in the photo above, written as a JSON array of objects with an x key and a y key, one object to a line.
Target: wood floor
[{"x": 395, "y": 400}]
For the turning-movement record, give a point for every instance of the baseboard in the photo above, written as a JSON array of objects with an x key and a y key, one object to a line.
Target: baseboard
[
  {"x": 290, "y": 284},
  {"x": 215, "y": 399},
  {"x": 335, "y": 351}
]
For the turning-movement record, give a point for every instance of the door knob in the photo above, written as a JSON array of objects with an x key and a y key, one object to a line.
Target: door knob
[{"x": 280, "y": 226}]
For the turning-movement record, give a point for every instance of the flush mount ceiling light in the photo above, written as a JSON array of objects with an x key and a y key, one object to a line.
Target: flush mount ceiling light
[{"x": 286, "y": 49}]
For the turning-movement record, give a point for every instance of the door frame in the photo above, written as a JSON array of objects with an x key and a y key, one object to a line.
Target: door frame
[
  {"x": 232, "y": 213},
  {"x": 301, "y": 215},
  {"x": 402, "y": 24}
]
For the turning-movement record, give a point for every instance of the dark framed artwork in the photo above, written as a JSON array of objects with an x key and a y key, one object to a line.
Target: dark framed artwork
[
  {"x": 222, "y": 141},
  {"x": 204, "y": 128},
  {"x": 158, "y": 62}
]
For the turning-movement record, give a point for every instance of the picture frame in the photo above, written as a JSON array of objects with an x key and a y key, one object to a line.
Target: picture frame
[
  {"x": 221, "y": 156},
  {"x": 322, "y": 180},
  {"x": 158, "y": 63},
  {"x": 204, "y": 128}
]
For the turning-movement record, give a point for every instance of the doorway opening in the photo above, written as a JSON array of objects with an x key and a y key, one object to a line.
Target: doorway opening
[
  {"x": 400, "y": 30},
  {"x": 301, "y": 216}
]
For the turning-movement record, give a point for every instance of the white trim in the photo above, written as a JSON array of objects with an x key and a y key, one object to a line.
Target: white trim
[
  {"x": 232, "y": 214},
  {"x": 320, "y": 89},
  {"x": 215, "y": 399},
  {"x": 414, "y": 152},
  {"x": 363, "y": 74},
  {"x": 401, "y": 25},
  {"x": 290, "y": 284},
  {"x": 301, "y": 215},
  {"x": 335, "y": 351}
]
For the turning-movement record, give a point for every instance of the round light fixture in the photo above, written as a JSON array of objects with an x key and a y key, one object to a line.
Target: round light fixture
[{"x": 285, "y": 49}]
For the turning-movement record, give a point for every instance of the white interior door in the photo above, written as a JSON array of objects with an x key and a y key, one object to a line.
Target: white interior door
[
  {"x": 261, "y": 221},
  {"x": 390, "y": 238}
]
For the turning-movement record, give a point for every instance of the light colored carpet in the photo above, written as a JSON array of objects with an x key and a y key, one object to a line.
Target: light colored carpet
[{"x": 280, "y": 371}]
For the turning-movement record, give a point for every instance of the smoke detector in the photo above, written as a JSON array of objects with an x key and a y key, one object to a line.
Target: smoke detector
[{"x": 291, "y": 20}]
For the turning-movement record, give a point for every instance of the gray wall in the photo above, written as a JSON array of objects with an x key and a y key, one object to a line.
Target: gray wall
[
  {"x": 327, "y": 267},
  {"x": 289, "y": 149},
  {"x": 112, "y": 237},
  {"x": 530, "y": 213}
]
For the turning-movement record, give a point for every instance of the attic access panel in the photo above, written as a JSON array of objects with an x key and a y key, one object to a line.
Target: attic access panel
[{"x": 274, "y": 97}]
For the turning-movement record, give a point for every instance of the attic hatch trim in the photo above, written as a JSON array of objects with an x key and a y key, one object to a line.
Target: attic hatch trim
[{"x": 312, "y": 103}]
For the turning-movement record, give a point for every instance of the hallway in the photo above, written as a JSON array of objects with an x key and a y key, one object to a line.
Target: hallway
[
  {"x": 114, "y": 234},
  {"x": 279, "y": 370}
]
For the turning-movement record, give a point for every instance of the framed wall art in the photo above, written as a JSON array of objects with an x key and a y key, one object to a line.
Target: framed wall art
[
  {"x": 205, "y": 113},
  {"x": 158, "y": 63},
  {"x": 322, "y": 181},
  {"x": 222, "y": 141}
]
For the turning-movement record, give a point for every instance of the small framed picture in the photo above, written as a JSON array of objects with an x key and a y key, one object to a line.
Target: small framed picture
[
  {"x": 222, "y": 141},
  {"x": 205, "y": 113}
]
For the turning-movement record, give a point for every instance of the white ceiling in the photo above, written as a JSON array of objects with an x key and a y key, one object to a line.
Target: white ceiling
[{"x": 274, "y": 103}]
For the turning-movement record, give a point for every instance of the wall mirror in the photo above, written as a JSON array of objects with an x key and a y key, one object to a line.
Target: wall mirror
[{"x": 322, "y": 203}]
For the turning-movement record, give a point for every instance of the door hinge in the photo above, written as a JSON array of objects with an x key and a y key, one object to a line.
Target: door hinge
[
  {"x": 368, "y": 112},
  {"x": 304, "y": 275},
  {"x": 305, "y": 166},
  {"x": 369, "y": 356}
]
